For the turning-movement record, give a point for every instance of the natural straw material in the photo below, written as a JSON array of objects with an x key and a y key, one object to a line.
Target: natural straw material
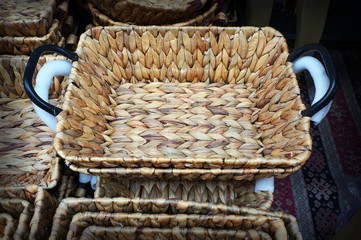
[
  {"x": 32, "y": 207},
  {"x": 201, "y": 19},
  {"x": 271, "y": 225},
  {"x": 20, "y": 18},
  {"x": 7, "y": 226},
  {"x": 128, "y": 233},
  {"x": 149, "y": 12},
  {"x": 20, "y": 210},
  {"x": 138, "y": 212},
  {"x": 25, "y": 45},
  {"x": 189, "y": 174},
  {"x": 233, "y": 100},
  {"x": 26, "y": 153},
  {"x": 240, "y": 193}
]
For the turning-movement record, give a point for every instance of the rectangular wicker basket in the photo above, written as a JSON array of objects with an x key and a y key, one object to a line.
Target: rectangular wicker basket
[
  {"x": 239, "y": 193},
  {"x": 81, "y": 217},
  {"x": 183, "y": 100}
]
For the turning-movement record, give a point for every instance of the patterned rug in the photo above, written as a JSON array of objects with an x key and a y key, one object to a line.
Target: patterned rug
[{"x": 326, "y": 192}]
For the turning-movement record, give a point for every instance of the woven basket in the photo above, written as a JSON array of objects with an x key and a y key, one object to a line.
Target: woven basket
[
  {"x": 26, "y": 153},
  {"x": 218, "y": 99},
  {"x": 96, "y": 232},
  {"x": 158, "y": 12},
  {"x": 31, "y": 209},
  {"x": 240, "y": 193},
  {"x": 25, "y": 45},
  {"x": 202, "y": 19},
  {"x": 26, "y": 18},
  {"x": 75, "y": 214}
]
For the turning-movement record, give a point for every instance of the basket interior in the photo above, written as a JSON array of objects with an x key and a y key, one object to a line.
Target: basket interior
[{"x": 182, "y": 94}]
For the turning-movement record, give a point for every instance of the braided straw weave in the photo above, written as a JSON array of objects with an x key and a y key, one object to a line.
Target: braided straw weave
[
  {"x": 240, "y": 193},
  {"x": 25, "y": 45},
  {"x": 201, "y": 19},
  {"x": 96, "y": 232},
  {"x": 159, "y": 12},
  {"x": 26, "y": 153},
  {"x": 75, "y": 214},
  {"x": 7, "y": 226},
  {"x": 20, "y": 210},
  {"x": 31, "y": 209},
  {"x": 197, "y": 98},
  {"x": 26, "y": 18}
]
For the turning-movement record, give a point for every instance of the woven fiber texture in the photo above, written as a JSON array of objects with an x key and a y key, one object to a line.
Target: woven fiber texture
[
  {"x": 7, "y": 226},
  {"x": 25, "y": 45},
  {"x": 215, "y": 222},
  {"x": 240, "y": 193},
  {"x": 96, "y": 232},
  {"x": 201, "y": 19},
  {"x": 31, "y": 210},
  {"x": 202, "y": 98},
  {"x": 74, "y": 214},
  {"x": 20, "y": 210},
  {"x": 26, "y": 18},
  {"x": 189, "y": 174},
  {"x": 26, "y": 153},
  {"x": 158, "y": 12}
]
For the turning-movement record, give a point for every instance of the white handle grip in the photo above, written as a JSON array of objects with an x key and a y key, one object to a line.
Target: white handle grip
[
  {"x": 320, "y": 80},
  {"x": 42, "y": 85},
  {"x": 43, "y": 81}
]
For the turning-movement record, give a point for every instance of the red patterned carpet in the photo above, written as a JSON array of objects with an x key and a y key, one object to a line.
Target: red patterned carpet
[{"x": 326, "y": 192}]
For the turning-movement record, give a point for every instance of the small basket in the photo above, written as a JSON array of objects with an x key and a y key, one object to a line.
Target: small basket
[
  {"x": 26, "y": 154},
  {"x": 75, "y": 214},
  {"x": 239, "y": 193},
  {"x": 26, "y": 18},
  {"x": 30, "y": 209},
  {"x": 149, "y": 12},
  {"x": 202, "y": 19}
]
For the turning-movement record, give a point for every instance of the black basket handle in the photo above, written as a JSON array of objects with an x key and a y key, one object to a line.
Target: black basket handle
[
  {"x": 331, "y": 72},
  {"x": 29, "y": 72}
]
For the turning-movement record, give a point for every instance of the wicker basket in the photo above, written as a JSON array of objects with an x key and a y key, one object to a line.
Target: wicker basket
[
  {"x": 30, "y": 210},
  {"x": 247, "y": 122},
  {"x": 149, "y": 12},
  {"x": 240, "y": 193},
  {"x": 202, "y": 19},
  {"x": 26, "y": 153},
  {"x": 26, "y": 18},
  {"x": 44, "y": 28},
  {"x": 75, "y": 214}
]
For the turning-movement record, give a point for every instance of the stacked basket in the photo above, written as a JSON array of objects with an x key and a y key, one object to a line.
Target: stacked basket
[{"x": 176, "y": 122}]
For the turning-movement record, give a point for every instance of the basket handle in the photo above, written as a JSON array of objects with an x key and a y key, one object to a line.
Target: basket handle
[
  {"x": 324, "y": 78},
  {"x": 29, "y": 72}
]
